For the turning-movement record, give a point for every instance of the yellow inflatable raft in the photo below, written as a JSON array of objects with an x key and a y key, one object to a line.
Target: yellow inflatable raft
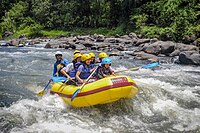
[{"x": 102, "y": 91}]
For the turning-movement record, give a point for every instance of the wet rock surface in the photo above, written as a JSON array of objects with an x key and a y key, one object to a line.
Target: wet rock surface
[{"x": 127, "y": 45}]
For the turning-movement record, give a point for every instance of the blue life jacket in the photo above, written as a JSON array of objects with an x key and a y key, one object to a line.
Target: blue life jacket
[
  {"x": 102, "y": 70},
  {"x": 86, "y": 72},
  {"x": 92, "y": 65},
  {"x": 57, "y": 67},
  {"x": 73, "y": 72}
]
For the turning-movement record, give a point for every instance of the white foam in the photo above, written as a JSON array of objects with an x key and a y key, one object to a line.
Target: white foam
[
  {"x": 51, "y": 128},
  {"x": 184, "y": 119},
  {"x": 185, "y": 93},
  {"x": 27, "y": 108},
  {"x": 49, "y": 114}
]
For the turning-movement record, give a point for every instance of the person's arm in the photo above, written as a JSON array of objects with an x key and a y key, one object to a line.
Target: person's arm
[
  {"x": 63, "y": 71},
  {"x": 100, "y": 73},
  {"x": 112, "y": 72},
  {"x": 91, "y": 70},
  {"x": 78, "y": 78},
  {"x": 80, "y": 69}
]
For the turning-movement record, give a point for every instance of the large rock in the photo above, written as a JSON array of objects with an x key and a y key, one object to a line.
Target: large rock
[
  {"x": 56, "y": 44},
  {"x": 85, "y": 38},
  {"x": 145, "y": 56},
  {"x": 112, "y": 40},
  {"x": 153, "y": 40},
  {"x": 88, "y": 44},
  {"x": 175, "y": 53},
  {"x": 126, "y": 37},
  {"x": 48, "y": 45},
  {"x": 4, "y": 44},
  {"x": 141, "y": 41},
  {"x": 184, "y": 47},
  {"x": 80, "y": 47},
  {"x": 99, "y": 38},
  {"x": 132, "y": 35},
  {"x": 189, "y": 57},
  {"x": 102, "y": 45},
  {"x": 14, "y": 42},
  {"x": 167, "y": 47},
  {"x": 153, "y": 48},
  {"x": 121, "y": 48}
]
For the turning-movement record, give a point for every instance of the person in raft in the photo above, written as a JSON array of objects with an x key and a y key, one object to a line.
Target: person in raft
[
  {"x": 70, "y": 70},
  {"x": 93, "y": 61},
  {"x": 104, "y": 70},
  {"x": 84, "y": 69},
  {"x": 101, "y": 56},
  {"x": 59, "y": 64}
]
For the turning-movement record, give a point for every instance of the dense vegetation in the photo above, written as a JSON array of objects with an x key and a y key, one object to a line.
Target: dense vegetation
[{"x": 164, "y": 19}]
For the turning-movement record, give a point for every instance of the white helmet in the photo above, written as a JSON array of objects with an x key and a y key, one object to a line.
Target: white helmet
[{"x": 58, "y": 53}]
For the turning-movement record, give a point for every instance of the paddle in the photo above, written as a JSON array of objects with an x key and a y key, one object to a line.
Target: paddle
[
  {"x": 151, "y": 65},
  {"x": 137, "y": 68},
  {"x": 41, "y": 93},
  {"x": 54, "y": 79},
  {"x": 79, "y": 89},
  {"x": 59, "y": 79}
]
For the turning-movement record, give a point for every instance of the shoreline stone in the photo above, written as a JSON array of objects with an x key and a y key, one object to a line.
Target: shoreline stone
[{"x": 130, "y": 45}]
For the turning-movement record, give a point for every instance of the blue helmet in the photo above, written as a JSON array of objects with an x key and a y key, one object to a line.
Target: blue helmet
[{"x": 106, "y": 61}]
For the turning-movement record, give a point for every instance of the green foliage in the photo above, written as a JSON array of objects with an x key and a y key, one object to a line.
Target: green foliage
[
  {"x": 7, "y": 25},
  {"x": 139, "y": 20},
  {"x": 193, "y": 30},
  {"x": 13, "y": 17},
  {"x": 33, "y": 30},
  {"x": 54, "y": 33},
  {"x": 167, "y": 19},
  {"x": 149, "y": 31},
  {"x": 164, "y": 19}
]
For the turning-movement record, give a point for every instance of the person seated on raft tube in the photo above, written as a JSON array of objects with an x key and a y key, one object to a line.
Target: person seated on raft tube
[
  {"x": 104, "y": 70},
  {"x": 70, "y": 70},
  {"x": 101, "y": 56},
  {"x": 93, "y": 61},
  {"x": 60, "y": 63},
  {"x": 85, "y": 69}
]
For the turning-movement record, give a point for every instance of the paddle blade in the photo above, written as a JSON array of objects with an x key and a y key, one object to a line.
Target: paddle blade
[
  {"x": 151, "y": 65},
  {"x": 41, "y": 93},
  {"x": 134, "y": 69},
  {"x": 75, "y": 94},
  {"x": 59, "y": 79}
]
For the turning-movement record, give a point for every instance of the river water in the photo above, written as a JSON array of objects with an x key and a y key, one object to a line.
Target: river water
[{"x": 168, "y": 98}]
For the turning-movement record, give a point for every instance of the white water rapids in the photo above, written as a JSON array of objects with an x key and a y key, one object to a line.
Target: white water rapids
[{"x": 168, "y": 98}]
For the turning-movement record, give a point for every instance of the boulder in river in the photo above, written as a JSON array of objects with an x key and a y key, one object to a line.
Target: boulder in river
[{"x": 189, "y": 57}]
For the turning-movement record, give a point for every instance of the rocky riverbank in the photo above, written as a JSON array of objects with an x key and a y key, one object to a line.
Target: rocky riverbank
[{"x": 131, "y": 46}]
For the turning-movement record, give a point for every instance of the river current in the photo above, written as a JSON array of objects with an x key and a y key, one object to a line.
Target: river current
[{"x": 168, "y": 98}]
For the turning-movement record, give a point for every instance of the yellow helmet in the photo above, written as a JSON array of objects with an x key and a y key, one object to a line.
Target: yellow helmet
[
  {"x": 102, "y": 55},
  {"x": 77, "y": 55},
  {"x": 76, "y": 51},
  {"x": 85, "y": 57},
  {"x": 92, "y": 54}
]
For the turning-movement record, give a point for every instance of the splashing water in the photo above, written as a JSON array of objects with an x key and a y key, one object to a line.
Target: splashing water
[{"x": 168, "y": 98}]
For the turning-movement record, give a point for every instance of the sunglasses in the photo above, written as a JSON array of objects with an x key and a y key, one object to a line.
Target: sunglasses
[{"x": 58, "y": 55}]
